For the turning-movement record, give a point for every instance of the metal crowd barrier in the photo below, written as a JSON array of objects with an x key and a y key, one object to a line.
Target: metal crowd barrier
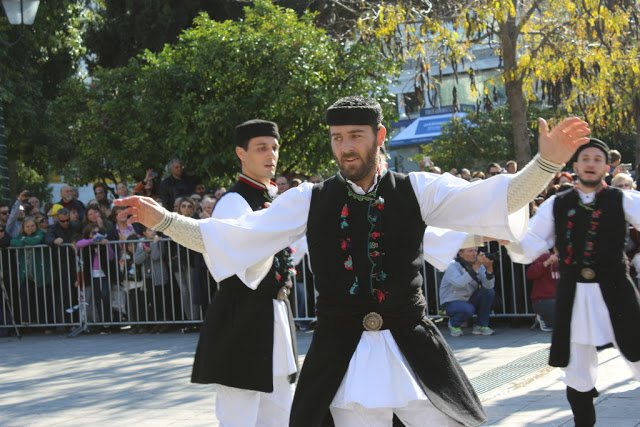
[
  {"x": 511, "y": 286},
  {"x": 63, "y": 286}
]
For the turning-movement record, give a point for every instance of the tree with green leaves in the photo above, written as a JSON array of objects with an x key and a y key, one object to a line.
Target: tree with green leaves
[
  {"x": 186, "y": 100},
  {"x": 124, "y": 29},
  {"x": 31, "y": 70}
]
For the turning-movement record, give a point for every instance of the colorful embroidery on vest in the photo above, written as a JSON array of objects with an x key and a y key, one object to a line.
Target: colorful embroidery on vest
[
  {"x": 590, "y": 236},
  {"x": 375, "y": 208}
]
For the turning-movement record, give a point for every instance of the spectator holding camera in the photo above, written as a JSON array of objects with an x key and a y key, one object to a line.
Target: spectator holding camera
[
  {"x": 467, "y": 288},
  {"x": 17, "y": 213},
  {"x": 148, "y": 186}
]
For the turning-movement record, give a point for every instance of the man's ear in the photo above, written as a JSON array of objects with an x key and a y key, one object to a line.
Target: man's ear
[
  {"x": 382, "y": 133},
  {"x": 240, "y": 152}
]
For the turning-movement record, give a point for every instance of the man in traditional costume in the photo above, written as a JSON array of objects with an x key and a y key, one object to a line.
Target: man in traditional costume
[
  {"x": 596, "y": 301},
  {"x": 247, "y": 342},
  {"x": 374, "y": 353}
]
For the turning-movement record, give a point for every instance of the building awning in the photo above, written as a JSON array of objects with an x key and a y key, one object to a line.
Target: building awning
[{"x": 423, "y": 129}]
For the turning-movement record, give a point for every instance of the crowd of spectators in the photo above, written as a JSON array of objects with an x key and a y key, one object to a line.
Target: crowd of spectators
[
  {"x": 128, "y": 273},
  {"x": 131, "y": 274}
]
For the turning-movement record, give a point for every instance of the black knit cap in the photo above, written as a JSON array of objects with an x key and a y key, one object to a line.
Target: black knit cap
[
  {"x": 354, "y": 110},
  {"x": 594, "y": 142},
  {"x": 254, "y": 128}
]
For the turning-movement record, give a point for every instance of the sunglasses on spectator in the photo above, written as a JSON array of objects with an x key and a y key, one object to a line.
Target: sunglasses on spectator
[
  {"x": 43, "y": 220},
  {"x": 185, "y": 205},
  {"x": 99, "y": 191},
  {"x": 493, "y": 173},
  {"x": 196, "y": 199},
  {"x": 64, "y": 220},
  {"x": 4, "y": 212}
]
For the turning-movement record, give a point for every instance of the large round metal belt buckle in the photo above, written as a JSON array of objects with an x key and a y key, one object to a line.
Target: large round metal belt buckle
[
  {"x": 283, "y": 293},
  {"x": 372, "y": 321},
  {"x": 588, "y": 273}
]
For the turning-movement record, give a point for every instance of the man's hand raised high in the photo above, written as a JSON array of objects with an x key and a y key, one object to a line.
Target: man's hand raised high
[
  {"x": 144, "y": 210},
  {"x": 559, "y": 144}
]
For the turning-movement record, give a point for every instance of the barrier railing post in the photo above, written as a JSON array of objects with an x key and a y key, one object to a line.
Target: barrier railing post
[{"x": 82, "y": 304}]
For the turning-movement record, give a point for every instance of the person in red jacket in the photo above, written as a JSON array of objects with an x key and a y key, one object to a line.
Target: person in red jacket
[{"x": 544, "y": 273}]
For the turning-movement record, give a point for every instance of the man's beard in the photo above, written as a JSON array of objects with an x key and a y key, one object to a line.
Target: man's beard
[
  {"x": 590, "y": 183},
  {"x": 369, "y": 164}
]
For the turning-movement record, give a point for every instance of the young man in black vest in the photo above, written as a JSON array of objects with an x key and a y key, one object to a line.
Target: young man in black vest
[
  {"x": 374, "y": 353},
  {"x": 247, "y": 342},
  {"x": 596, "y": 301}
]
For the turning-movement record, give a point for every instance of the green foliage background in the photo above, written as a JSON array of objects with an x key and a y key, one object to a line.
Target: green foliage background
[
  {"x": 31, "y": 70},
  {"x": 186, "y": 100}
]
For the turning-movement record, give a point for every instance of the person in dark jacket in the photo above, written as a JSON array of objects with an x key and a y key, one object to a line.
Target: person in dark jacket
[
  {"x": 59, "y": 236},
  {"x": 178, "y": 184}
]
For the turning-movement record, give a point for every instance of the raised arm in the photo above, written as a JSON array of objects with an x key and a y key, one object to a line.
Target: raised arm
[
  {"x": 555, "y": 148},
  {"x": 497, "y": 206}
]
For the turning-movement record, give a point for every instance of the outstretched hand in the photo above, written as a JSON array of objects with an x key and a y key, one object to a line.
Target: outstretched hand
[
  {"x": 144, "y": 210},
  {"x": 561, "y": 143}
]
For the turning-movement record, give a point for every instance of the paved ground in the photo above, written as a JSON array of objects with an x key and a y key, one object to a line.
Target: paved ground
[{"x": 136, "y": 380}]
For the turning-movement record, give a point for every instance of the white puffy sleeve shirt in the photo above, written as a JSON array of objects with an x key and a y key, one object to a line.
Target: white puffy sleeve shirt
[{"x": 247, "y": 244}]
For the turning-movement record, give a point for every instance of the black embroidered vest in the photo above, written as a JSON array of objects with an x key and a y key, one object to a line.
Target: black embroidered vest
[
  {"x": 236, "y": 339},
  {"x": 279, "y": 274},
  {"x": 593, "y": 235},
  {"x": 387, "y": 266}
]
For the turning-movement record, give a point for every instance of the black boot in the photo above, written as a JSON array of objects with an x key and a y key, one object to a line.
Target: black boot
[{"x": 584, "y": 411}]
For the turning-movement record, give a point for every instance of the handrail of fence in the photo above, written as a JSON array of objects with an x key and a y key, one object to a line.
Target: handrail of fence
[{"x": 141, "y": 282}]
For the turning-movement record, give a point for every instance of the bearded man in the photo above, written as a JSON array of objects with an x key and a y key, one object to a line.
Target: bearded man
[
  {"x": 374, "y": 353},
  {"x": 596, "y": 301}
]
